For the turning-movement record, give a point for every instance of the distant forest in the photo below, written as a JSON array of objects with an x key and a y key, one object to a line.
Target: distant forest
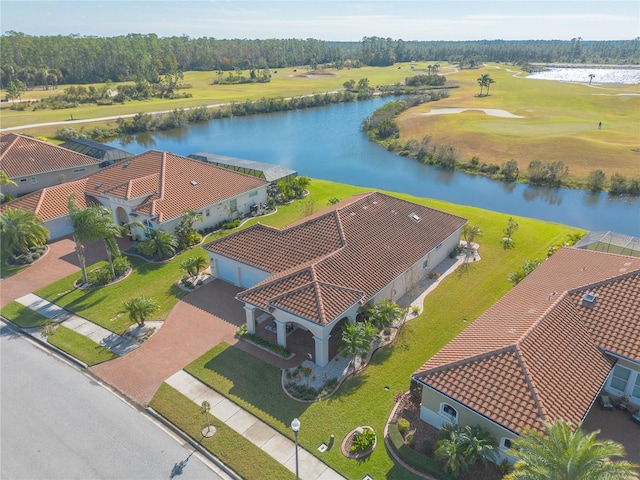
[{"x": 46, "y": 61}]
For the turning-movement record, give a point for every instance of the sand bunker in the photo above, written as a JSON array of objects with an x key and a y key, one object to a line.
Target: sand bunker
[{"x": 494, "y": 112}]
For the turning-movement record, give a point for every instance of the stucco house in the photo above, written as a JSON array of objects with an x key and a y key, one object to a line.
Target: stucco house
[
  {"x": 33, "y": 164},
  {"x": 153, "y": 188},
  {"x": 544, "y": 351},
  {"x": 320, "y": 272}
]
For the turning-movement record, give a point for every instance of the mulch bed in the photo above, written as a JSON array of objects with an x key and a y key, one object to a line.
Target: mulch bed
[{"x": 409, "y": 409}]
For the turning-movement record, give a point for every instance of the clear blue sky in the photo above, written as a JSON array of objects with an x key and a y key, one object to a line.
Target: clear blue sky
[{"x": 330, "y": 20}]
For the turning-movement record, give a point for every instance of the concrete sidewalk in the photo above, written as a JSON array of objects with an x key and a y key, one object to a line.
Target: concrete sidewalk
[
  {"x": 257, "y": 432},
  {"x": 114, "y": 342}
]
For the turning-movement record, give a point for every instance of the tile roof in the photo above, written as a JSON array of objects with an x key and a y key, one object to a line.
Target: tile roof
[
  {"x": 543, "y": 324},
  {"x": 21, "y": 156},
  {"x": 171, "y": 183},
  {"x": 51, "y": 202},
  {"x": 341, "y": 255}
]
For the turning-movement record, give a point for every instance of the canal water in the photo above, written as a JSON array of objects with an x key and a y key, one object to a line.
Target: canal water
[{"x": 328, "y": 143}]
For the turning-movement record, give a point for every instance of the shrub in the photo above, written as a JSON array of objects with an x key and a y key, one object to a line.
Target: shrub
[
  {"x": 35, "y": 256},
  {"x": 21, "y": 260},
  {"x": 121, "y": 265},
  {"x": 102, "y": 276},
  {"x": 231, "y": 224},
  {"x": 363, "y": 440},
  {"x": 410, "y": 440},
  {"x": 147, "y": 248},
  {"x": 505, "y": 467},
  {"x": 403, "y": 425}
]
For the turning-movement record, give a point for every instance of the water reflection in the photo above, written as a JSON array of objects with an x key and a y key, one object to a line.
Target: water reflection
[{"x": 327, "y": 143}]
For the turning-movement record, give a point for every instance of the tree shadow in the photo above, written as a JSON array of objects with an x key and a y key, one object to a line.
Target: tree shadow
[{"x": 178, "y": 468}]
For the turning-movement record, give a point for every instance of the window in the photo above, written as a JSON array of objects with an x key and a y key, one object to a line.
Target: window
[
  {"x": 449, "y": 411},
  {"x": 234, "y": 205},
  {"x": 620, "y": 378},
  {"x": 207, "y": 213},
  {"x": 439, "y": 246},
  {"x": 425, "y": 264},
  {"x": 78, "y": 170},
  {"x": 23, "y": 180},
  {"x": 253, "y": 194},
  {"x": 505, "y": 443},
  {"x": 34, "y": 180}
]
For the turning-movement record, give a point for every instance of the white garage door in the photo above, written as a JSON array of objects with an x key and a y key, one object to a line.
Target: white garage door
[
  {"x": 226, "y": 271},
  {"x": 248, "y": 278}
]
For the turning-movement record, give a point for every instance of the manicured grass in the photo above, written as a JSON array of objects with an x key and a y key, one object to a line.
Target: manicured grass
[
  {"x": 103, "y": 305},
  {"x": 363, "y": 399},
  {"x": 22, "y": 316},
  {"x": 79, "y": 346},
  {"x": 231, "y": 448},
  {"x": 560, "y": 122}
]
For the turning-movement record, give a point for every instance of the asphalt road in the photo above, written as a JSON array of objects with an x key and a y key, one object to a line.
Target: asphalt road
[{"x": 57, "y": 423}]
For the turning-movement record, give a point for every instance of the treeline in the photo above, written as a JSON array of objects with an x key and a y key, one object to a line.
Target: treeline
[
  {"x": 145, "y": 122},
  {"x": 381, "y": 127},
  {"x": 47, "y": 61}
]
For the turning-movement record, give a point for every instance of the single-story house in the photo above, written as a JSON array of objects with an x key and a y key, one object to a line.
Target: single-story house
[
  {"x": 105, "y": 154},
  {"x": 610, "y": 242},
  {"x": 267, "y": 171},
  {"x": 322, "y": 271},
  {"x": 544, "y": 351},
  {"x": 154, "y": 188},
  {"x": 33, "y": 164}
]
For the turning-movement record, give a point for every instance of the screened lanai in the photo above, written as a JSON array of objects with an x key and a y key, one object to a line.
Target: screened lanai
[
  {"x": 266, "y": 171},
  {"x": 610, "y": 242}
]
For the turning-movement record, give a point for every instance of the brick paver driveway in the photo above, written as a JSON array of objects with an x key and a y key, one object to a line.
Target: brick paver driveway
[
  {"x": 59, "y": 261},
  {"x": 197, "y": 323}
]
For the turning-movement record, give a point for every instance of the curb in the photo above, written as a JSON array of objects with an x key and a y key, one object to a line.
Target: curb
[{"x": 196, "y": 445}]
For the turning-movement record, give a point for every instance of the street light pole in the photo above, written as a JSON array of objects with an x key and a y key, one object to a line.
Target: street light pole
[{"x": 295, "y": 426}]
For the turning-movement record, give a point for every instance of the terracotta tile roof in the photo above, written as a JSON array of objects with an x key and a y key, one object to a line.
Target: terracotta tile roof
[
  {"x": 348, "y": 251},
  {"x": 555, "y": 338},
  {"x": 51, "y": 202},
  {"x": 21, "y": 156},
  {"x": 173, "y": 184}
]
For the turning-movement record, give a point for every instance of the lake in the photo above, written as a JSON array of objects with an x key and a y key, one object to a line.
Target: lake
[{"x": 327, "y": 143}]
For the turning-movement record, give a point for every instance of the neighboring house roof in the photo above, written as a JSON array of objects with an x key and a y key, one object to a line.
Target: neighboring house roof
[
  {"x": 96, "y": 150},
  {"x": 610, "y": 242},
  {"x": 347, "y": 253},
  {"x": 536, "y": 354},
  {"x": 168, "y": 184},
  {"x": 268, "y": 171},
  {"x": 21, "y": 156}
]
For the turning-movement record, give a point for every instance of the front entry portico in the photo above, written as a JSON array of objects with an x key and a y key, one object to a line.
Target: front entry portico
[{"x": 321, "y": 334}]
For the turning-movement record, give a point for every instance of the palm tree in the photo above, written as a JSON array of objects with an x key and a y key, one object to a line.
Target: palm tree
[
  {"x": 140, "y": 309},
  {"x": 88, "y": 225},
  {"x": 164, "y": 242},
  {"x": 565, "y": 453},
  {"x": 482, "y": 81},
  {"x": 591, "y": 77},
  {"x": 21, "y": 230},
  {"x": 200, "y": 263},
  {"x": 5, "y": 180},
  {"x": 385, "y": 313},
  {"x": 479, "y": 444},
  {"x": 470, "y": 232},
  {"x": 356, "y": 340},
  {"x": 189, "y": 266},
  {"x": 451, "y": 450}
]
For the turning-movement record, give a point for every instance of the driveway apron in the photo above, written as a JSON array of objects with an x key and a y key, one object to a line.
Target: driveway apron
[{"x": 196, "y": 324}]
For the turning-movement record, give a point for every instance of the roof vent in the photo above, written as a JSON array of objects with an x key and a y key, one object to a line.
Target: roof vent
[
  {"x": 414, "y": 217},
  {"x": 589, "y": 300},
  {"x": 98, "y": 185},
  {"x": 127, "y": 163},
  {"x": 193, "y": 182}
]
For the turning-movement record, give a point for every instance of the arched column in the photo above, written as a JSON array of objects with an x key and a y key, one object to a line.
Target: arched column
[{"x": 281, "y": 332}]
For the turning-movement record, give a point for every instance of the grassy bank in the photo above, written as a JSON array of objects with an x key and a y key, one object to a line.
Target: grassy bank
[{"x": 560, "y": 122}]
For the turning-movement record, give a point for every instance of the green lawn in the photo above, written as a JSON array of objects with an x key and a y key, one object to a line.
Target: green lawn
[
  {"x": 22, "y": 316},
  {"x": 79, "y": 346},
  {"x": 364, "y": 399},
  {"x": 230, "y": 447}
]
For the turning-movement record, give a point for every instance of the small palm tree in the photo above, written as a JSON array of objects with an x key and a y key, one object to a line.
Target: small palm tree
[
  {"x": 189, "y": 266},
  {"x": 384, "y": 313},
  {"x": 482, "y": 81},
  {"x": 200, "y": 263},
  {"x": 470, "y": 232},
  {"x": 140, "y": 309},
  {"x": 21, "y": 230},
  {"x": 488, "y": 84},
  {"x": 356, "y": 340},
  {"x": 5, "y": 180},
  {"x": 452, "y": 452},
  {"x": 565, "y": 453},
  {"x": 164, "y": 242},
  {"x": 480, "y": 445}
]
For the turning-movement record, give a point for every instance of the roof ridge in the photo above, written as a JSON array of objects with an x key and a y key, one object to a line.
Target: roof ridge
[
  {"x": 615, "y": 278},
  {"x": 10, "y": 144},
  {"x": 542, "y": 411},
  {"x": 475, "y": 358}
]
